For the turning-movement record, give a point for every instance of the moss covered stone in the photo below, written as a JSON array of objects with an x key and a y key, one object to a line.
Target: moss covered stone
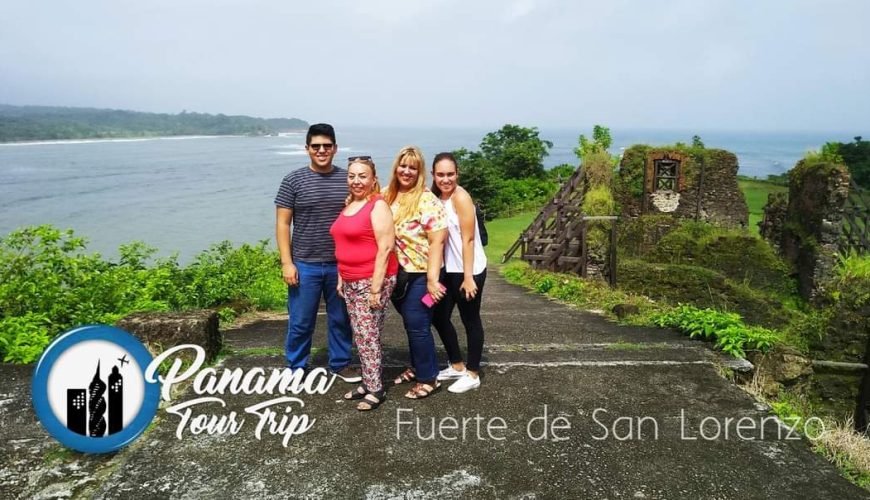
[
  {"x": 810, "y": 235},
  {"x": 713, "y": 196},
  {"x": 702, "y": 287},
  {"x": 738, "y": 255},
  {"x": 638, "y": 236}
]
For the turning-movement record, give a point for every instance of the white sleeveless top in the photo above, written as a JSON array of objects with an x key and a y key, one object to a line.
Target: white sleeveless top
[{"x": 453, "y": 248}]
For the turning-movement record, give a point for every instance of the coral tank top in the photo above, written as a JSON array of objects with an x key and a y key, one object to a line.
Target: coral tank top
[{"x": 356, "y": 246}]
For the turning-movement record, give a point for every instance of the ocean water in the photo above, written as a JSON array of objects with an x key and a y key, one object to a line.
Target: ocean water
[{"x": 184, "y": 194}]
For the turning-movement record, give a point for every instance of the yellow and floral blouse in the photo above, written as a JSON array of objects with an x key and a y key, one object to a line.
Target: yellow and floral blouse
[{"x": 412, "y": 243}]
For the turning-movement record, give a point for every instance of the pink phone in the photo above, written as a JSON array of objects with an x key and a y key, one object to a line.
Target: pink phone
[{"x": 428, "y": 300}]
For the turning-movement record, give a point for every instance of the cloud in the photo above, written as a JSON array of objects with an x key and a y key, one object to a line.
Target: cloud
[
  {"x": 438, "y": 62},
  {"x": 519, "y": 9}
]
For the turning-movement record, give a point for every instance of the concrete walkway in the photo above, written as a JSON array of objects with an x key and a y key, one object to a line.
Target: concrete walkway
[{"x": 631, "y": 413}]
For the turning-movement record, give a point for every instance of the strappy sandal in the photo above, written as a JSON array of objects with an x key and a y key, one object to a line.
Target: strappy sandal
[
  {"x": 407, "y": 376},
  {"x": 380, "y": 397},
  {"x": 421, "y": 391},
  {"x": 356, "y": 394}
]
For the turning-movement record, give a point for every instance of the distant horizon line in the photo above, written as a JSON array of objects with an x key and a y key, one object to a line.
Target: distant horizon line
[
  {"x": 479, "y": 127},
  {"x": 631, "y": 128}
]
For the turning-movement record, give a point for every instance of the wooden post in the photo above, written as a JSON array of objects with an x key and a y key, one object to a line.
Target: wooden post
[
  {"x": 583, "y": 253},
  {"x": 612, "y": 278},
  {"x": 644, "y": 202}
]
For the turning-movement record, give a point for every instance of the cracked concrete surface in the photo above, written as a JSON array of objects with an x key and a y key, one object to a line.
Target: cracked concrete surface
[{"x": 631, "y": 412}]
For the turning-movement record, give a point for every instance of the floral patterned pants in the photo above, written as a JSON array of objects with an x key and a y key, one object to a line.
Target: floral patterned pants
[{"x": 367, "y": 325}]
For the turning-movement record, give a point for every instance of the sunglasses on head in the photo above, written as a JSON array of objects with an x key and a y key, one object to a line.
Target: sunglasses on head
[
  {"x": 318, "y": 147},
  {"x": 351, "y": 159}
]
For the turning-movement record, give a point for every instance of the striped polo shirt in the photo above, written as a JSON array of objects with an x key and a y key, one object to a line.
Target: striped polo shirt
[{"x": 316, "y": 200}]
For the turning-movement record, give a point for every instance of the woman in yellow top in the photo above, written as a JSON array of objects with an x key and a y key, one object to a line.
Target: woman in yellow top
[{"x": 421, "y": 229}]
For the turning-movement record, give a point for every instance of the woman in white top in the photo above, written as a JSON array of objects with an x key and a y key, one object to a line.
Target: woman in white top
[{"x": 464, "y": 274}]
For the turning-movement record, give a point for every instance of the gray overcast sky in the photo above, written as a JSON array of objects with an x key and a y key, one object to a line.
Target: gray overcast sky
[{"x": 687, "y": 64}]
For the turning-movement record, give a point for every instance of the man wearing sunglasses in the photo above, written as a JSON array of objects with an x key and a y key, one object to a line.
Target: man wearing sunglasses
[{"x": 309, "y": 200}]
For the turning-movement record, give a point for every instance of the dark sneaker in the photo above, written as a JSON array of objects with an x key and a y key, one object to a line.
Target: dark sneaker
[{"x": 349, "y": 375}]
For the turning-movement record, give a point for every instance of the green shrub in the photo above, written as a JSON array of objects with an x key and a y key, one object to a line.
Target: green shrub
[
  {"x": 223, "y": 273},
  {"x": 727, "y": 330},
  {"x": 545, "y": 284},
  {"x": 48, "y": 284},
  {"x": 598, "y": 169},
  {"x": 808, "y": 326},
  {"x": 598, "y": 201},
  {"x": 561, "y": 173},
  {"x": 629, "y": 180},
  {"x": 572, "y": 289},
  {"x": 518, "y": 195},
  {"x": 23, "y": 338},
  {"x": 852, "y": 267}
]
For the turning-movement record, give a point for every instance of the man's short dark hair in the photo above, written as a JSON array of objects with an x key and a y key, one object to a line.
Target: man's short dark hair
[{"x": 320, "y": 129}]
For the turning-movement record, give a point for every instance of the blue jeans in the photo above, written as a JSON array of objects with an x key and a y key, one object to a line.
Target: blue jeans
[
  {"x": 418, "y": 321},
  {"x": 316, "y": 279}
]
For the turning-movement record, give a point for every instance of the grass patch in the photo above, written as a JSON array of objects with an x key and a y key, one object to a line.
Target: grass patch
[
  {"x": 853, "y": 266},
  {"x": 848, "y": 450},
  {"x": 58, "y": 454},
  {"x": 503, "y": 233},
  {"x": 756, "y": 192},
  {"x": 574, "y": 290},
  {"x": 834, "y": 439}
]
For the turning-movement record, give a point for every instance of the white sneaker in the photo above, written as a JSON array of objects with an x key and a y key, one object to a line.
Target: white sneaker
[
  {"x": 464, "y": 384},
  {"x": 450, "y": 373}
]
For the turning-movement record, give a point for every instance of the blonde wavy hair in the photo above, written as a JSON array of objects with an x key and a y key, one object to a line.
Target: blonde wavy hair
[
  {"x": 376, "y": 188},
  {"x": 409, "y": 155}
]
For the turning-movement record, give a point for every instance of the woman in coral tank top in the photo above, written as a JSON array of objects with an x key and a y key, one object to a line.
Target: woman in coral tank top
[{"x": 367, "y": 265}]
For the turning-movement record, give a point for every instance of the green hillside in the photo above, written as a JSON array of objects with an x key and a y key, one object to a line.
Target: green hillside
[{"x": 40, "y": 123}]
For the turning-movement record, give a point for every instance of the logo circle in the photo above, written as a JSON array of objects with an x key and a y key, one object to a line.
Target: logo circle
[{"x": 44, "y": 388}]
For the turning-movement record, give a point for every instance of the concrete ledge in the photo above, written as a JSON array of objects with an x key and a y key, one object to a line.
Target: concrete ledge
[{"x": 163, "y": 330}]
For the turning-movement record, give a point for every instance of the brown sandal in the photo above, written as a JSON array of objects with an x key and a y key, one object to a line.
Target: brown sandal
[
  {"x": 407, "y": 376},
  {"x": 420, "y": 390}
]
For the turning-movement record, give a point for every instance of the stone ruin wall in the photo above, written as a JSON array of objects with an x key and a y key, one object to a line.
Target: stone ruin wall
[
  {"x": 806, "y": 228},
  {"x": 722, "y": 202}
]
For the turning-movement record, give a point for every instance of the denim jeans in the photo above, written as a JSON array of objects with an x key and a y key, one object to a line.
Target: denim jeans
[
  {"x": 418, "y": 321},
  {"x": 316, "y": 279}
]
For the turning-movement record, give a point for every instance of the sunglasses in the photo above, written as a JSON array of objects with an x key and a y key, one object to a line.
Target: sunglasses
[
  {"x": 318, "y": 147},
  {"x": 351, "y": 159}
]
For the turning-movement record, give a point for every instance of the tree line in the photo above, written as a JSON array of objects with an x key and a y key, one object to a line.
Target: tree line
[
  {"x": 506, "y": 175},
  {"x": 39, "y": 123}
]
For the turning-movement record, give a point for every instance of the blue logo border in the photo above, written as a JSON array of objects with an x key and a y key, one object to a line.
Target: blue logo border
[{"x": 55, "y": 427}]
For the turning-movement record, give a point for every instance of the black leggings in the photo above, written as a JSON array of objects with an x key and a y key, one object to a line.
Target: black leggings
[{"x": 469, "y": 312}]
